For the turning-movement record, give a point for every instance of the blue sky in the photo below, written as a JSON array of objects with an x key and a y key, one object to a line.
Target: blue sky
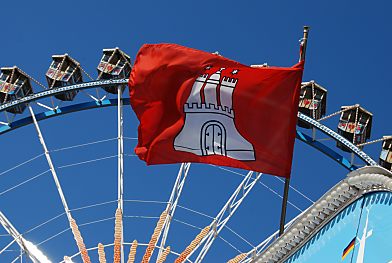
[{"x": 348, "y": 53}]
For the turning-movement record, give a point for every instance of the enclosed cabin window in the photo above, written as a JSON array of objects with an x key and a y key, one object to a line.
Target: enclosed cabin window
[
  {"x": 354, "y": 125},
  {"x": 104, "y": 65},
  {"x": 114, "y": 64},
  {"x": 18, "y": 87},
  {"x": 55, "y": 65},
  {"x": 105, "y": 58},
  {"x": 19, "y": 82},
  {"x": 4, "y": 77},
  {"x": 119, "y": 67},
  {"x": 3, "y": 87},
  {"x": 68, "y": 77}
]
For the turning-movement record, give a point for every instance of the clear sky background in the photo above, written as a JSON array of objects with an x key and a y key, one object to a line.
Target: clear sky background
[{"x": 349, "y": 53}]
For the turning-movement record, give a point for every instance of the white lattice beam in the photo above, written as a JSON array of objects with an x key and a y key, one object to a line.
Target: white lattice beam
[
  {"x": 74, "y": 227},
  {"x": 173, "y": 201},
  {"x": 225, "y": 214},
  {"x": 26, "y": 247}
]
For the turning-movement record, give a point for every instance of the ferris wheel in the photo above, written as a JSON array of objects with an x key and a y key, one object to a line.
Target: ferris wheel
[{"x": 70, "y": 89}]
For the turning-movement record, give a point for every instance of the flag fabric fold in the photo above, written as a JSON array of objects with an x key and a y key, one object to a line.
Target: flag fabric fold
[{"x": 195, "y": 106}]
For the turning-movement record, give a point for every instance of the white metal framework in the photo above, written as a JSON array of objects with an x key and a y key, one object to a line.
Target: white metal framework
[
  {"x": 26, "y": 246},
  {"x": 50, "y": 163},
  {"x": 226, "y": 213},
  {"x": 73, "y": 225},
  {"x": 120, "y": 168},
  {"x": 172, "y": 203},
  {"x": 339, "y": 138},
  {"x": 60, "y": 90}
]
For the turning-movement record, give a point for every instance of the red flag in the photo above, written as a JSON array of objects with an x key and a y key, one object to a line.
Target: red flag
[{"x": 195, "y": 106}]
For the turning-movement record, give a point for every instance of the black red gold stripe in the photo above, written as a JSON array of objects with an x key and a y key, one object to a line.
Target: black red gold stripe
[{"x": 348, "y": 249}]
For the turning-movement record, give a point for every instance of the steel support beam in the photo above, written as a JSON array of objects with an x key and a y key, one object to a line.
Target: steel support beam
[
  {"x": 4, "y": 127},
  {"x": 366, "y": 158},
  {"x": 72, "y": 222},
  {"x": 226, "y": 213},
  {"x": 120, "y": 164},
  {"x": 331, "y": 153},
  {"x": 50, "y": 163},
  {"x": 172, "y": 204},
  {"x": 56, "y": 91},
  {"x": 24, "y": 245}
]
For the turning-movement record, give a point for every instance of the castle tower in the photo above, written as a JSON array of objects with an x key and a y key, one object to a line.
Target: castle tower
[
  {"x": 226, "y": 92},
  {"x": 209, "y": 127},
  {"x": 195, "y": 96},
  {"x": 210, "y": 96}
]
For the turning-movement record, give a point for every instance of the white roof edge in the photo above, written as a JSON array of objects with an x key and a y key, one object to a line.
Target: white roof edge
[
  {"x": 355, "y": 185},
  {"x": 306, "y": 83}
]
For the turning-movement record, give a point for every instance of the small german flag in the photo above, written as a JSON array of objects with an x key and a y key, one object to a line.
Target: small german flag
[{"x": 348, "y": 249}]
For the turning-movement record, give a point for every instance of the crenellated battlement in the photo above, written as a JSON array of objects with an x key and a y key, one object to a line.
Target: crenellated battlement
[
  {"x": 206, "y": 97},
  {"x": 202, "y": 77},
  {"x": 229, "y": 82},
  {"x": 208, "y": 108}
]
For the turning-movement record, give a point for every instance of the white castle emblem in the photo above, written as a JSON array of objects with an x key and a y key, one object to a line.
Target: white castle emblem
[{"x": 209, "y": 127}]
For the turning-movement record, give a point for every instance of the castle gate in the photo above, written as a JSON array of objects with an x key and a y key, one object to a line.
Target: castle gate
[{"x": 213, "y": 138}]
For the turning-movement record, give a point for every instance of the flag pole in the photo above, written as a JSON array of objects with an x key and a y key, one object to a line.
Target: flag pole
[
  {"x": 284, "y": 205},
  {"x": 304, "y": 42}
]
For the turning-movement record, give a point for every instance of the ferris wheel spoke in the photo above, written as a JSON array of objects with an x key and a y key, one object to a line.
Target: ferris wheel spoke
[
  {"x": 225, "y": 214},
  {"x": 26, "y": 247},
  {"x": 120, "y": 170},
  {"x": 172, "y": 204},
  {"x": 90, "y": 96},
  {"x": 72, "y": 222}
]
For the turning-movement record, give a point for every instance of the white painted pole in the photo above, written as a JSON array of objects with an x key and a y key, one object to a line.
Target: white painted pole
[
  {"x": 50, "y": 163},
  {"x": 172, "y": 204},
  {"x": 120, "y": 148}
]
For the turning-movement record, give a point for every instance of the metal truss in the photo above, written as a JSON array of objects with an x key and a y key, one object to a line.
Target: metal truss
[
  {"x": 338, "y": 138},
  {"x": 340, "y": 159},
  {"x": 56, "y": 91},
  {"x": 172, "y": 204},
  {"x": 225, "y": 214},
  {"x": 7, "y": 127},
  {"x": 23, "y": 244}
]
